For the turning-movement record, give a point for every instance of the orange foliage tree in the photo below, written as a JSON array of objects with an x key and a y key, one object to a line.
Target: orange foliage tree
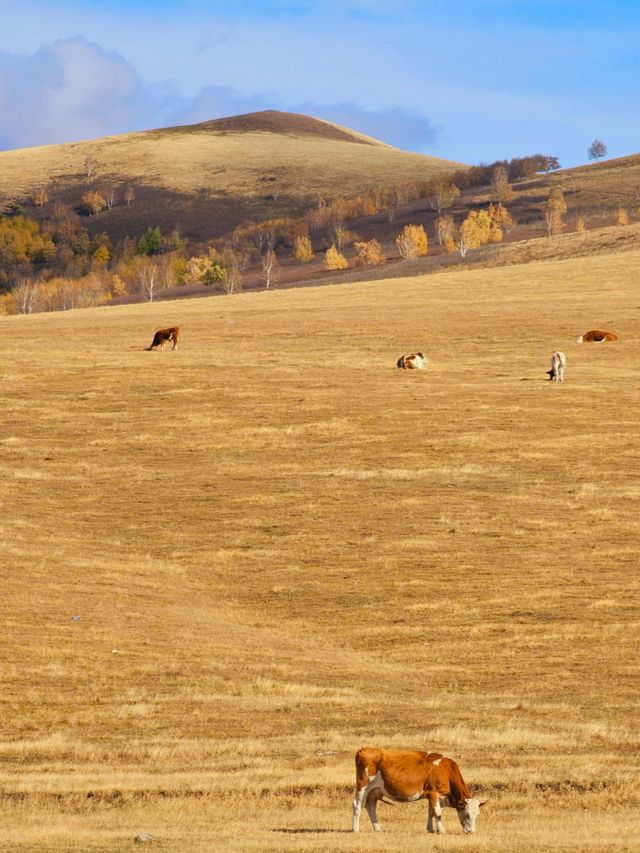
[
  {"x": 369, "y": 254},
  {"x": 412, "y": 242}
]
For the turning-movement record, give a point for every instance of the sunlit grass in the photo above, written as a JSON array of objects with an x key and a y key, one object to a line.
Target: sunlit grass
[{"x": 220, "y": 581}]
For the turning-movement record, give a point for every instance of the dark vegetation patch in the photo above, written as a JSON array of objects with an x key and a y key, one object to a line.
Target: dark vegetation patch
[{"x": 273, "y": 121}]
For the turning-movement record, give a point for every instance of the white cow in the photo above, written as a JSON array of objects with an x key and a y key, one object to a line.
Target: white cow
[
  {"x": 413, "y": 361},
  {"x": 558, "y": 364}
]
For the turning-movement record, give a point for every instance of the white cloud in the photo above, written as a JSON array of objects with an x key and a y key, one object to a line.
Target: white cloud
[{"x": 68, "y": 90}]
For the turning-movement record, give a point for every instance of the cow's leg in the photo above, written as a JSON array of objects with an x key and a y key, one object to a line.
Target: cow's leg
[
  {"x": 357, "y": 807},
  {"x": 561, "y": 373},
  {"x": 372, "y": 802},
  {"x": 430, "y": 819},
  {"x": 434, "y": 806}
]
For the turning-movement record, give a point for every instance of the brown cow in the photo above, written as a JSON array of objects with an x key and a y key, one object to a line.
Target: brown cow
[
  {"x": 406, "y": 775},
  {"x": 161, "y": 336},
  {"x": 414, "y": 361},
  {"x": 596, "y": 336}
]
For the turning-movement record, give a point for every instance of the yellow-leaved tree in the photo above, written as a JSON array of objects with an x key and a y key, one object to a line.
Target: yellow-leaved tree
[
  {"x": 335, "y": 260},
  {"x": 554, "y": 210},
  {"x": 412, "y": 242},
  {"x": 302, "y": 250}
]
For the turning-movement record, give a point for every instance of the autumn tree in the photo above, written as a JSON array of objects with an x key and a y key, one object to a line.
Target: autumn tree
[
  {"x": 474, "y": 231},
  {"x": 622, "y": 216},
  {"x": 335, "y": 260},
  {"x": 92, "y": 203},
  {"x": 369, "y": 254},
  {"x": 500, "y": 186},
  {"x": 445, "y": 228},
  {"x": 234, "y": 263},
  {"x": 554, "y": 210},
  {"x": 501, "y": 220},
  {"x": 597, "y": 149},
  {"x": 269, "y": 268},
  {"x": 441, "y": 194},
  {"x": 580, "y": 225},
  {"x": 412, "y": 242},
  {"x": 26, "y": 293},
  {"x": 302, "y": 250}
]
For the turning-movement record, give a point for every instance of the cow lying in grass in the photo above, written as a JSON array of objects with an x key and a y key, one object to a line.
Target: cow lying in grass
[
  {"x": 161, "y": 336},
  {"x": 407, "y": 775},
  {"x": 558, "y": 364},
  {"x": 414, "y": 361},
  {"x": 596, "y": 336}
]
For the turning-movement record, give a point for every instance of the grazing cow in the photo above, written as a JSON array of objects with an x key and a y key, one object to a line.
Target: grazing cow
[
  {"x": 596, "y": 336},
  {"x": 414, "y": 361},
  {"x": 406, "y": 775},
  {"x": 558, "y": 364},
  {"x": 161, "y": 336}
]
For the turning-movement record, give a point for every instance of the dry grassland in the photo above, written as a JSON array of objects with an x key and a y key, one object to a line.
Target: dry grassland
[
  {"x": 281, "y": 548},
  {"x": 196, "y": 159}
]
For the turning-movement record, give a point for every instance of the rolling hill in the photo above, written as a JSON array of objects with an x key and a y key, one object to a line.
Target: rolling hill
[{"x": 206, "y": 178}]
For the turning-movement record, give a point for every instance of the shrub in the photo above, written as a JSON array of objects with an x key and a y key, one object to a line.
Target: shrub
[
  {"x": 334, "y": 260},
  {"x": 369, "y": 254}
]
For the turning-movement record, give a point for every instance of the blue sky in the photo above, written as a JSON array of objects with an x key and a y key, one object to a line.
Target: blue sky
[{"x": 470, "y": 81}]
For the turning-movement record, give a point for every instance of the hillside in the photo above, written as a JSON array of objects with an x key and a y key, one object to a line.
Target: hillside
[
  {"x": 225, "y": 569},
  {"x": 206, "y": 178}
]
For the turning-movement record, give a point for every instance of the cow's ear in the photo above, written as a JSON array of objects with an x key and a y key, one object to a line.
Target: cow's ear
[{"x": 482, "y": 802}]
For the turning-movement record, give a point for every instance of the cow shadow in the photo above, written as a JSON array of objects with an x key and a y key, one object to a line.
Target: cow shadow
[{"x": 308, "y": 830}]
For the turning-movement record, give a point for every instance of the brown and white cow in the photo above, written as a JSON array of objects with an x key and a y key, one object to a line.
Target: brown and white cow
[
  {"x": 406, "y": 775},
  {"x": 596, "y": 336},
  {"x": 413, "y": 361},
  {"x": 558, "y": 364},
  {"x": 161, "y": 336}
]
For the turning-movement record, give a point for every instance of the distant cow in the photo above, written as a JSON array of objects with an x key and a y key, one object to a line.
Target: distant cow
[
  {"x": 596, "y": 336},
  {"x": 414, "y": 361},
  {"x": 163, "y": 335},
  {"x": 406, "y": 775},
  {"x": 558, "y": 364}
]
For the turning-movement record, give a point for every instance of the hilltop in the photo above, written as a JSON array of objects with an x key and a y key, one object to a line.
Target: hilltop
[{"x": 206, "y": 178}]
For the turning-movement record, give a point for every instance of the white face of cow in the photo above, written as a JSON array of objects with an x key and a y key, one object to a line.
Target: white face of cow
[{"x": 468, "y": 814}]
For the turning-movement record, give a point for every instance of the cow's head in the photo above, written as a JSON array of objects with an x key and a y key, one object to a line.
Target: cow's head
[{"x": 468, "y": 813}]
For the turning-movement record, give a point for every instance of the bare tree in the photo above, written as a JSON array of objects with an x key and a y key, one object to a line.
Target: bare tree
[
  {"x": 234, "y": 264},
  {"x": 129, "y": 194},
  {"x": 500, "y": 186},
  {"x": 147, "y": 279},
  {"x": 442, "y": 194},
  {"x": 270, "y": 268},
  {"x": 90, "y": 165},
  {"x": 110, "y": 196},
  {"x": 26, "y": 293}
]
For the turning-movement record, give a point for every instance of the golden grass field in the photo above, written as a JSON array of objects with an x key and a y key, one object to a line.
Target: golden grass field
[
  {"x": 201, "y": 157},
  {"x": 281, "y": 548}
]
